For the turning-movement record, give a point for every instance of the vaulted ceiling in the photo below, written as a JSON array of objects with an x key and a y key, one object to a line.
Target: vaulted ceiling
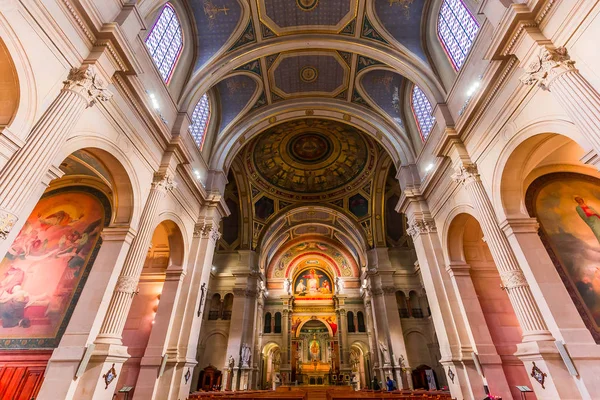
[
  {"x": 236, "y": 29},
  {"x": 308, "y": 177}
]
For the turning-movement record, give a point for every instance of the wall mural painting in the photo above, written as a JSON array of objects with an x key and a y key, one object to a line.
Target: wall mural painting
[
  {"x": 566, "y": 205},
  {"x": 313, "y": 281},
  {"x": 298, "y": 321},
  {"x": 43, "y": 272}
]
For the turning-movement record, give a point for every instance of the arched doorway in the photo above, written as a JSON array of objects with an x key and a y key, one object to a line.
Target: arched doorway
[
  {"x": 165, "y": 254},
  {"x": 492, "y": 322},
  {"x": 271, "y": 359},
  {"x": 9, "y": 87},
  {"x": 56, "y": 262},
  {"x": 358, "y": 362}
]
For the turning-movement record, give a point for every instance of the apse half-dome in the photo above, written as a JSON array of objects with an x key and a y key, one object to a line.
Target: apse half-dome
[{"x": 310, "y": 159}]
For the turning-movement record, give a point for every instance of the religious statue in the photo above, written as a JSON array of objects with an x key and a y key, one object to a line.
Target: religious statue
[
  {"x": 384, "y": 352},
  {"x": 230, "y": 363},
  {"x": 287, "y": 286},
  {"x": 245, "y": 355},
  {"x": 202, "y": 296},
  {"x": 277, "y": 360},
  {"x": 339, "y": 285}
]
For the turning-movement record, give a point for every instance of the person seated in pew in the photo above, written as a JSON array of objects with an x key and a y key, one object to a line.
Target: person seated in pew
[
  {"x": 390, "y": 384},
  {"x": 375, "y": 384}
]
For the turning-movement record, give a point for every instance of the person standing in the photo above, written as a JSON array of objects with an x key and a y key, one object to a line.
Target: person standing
[{"x": 390, "y": 384}]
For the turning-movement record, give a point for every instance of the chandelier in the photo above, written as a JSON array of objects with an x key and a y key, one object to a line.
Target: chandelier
[{"x": 405, "y": 4}]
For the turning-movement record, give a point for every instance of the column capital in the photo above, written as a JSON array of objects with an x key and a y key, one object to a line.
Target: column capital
[
  {"x": 86, "y": 82},
  {"x": 547, "y": 65},
  {"x": 513, "y": 279},
  {"x": 465, "y": 173},
  {"x": 7, "y": 221},
  {"x": 163, "y": 181},
  {"x": 127, "y": 284},
  {"x": 420, "y": 226},
  {"x": 207, "y": 230},
  {"x": 389, "y": 289}
]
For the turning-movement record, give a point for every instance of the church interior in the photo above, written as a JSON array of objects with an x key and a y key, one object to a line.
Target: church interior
[{"x": 299, "y": 199}]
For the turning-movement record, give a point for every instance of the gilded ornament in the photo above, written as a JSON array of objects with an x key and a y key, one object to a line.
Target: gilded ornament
[
  {"x": 309, "y": 74},
  {"x": 307, "y": 5}
]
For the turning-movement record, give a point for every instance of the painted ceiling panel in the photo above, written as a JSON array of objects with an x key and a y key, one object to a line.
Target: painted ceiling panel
[
  {"x": 307, "y": 15},
  {"x": 383, "y": 88},
  {"x": 404, "y": 25},
  {"x": 235, "y": 93},
  {"x": 309, "y": 74},
  {"x": 216, "y": 21}
]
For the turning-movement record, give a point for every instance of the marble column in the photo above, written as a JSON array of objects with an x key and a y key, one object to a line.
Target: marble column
[
  {"x": 186, "y": 331},
  {"x": 526, "y": 309},
  {"x": 554, "y": 71},
  {"x": 21, "y": 177},
  {"x": 478, "y": 330},
  {"x": 464, "y": 381},
  {"x": 110, "y": 352},
  {"x": 343, "y": 343},
  {"x": 148, "y": 378},
  {"x": 118, "y": 309}
]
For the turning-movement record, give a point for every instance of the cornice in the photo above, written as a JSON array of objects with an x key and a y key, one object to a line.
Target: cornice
[{"x": 517, "y": 19}]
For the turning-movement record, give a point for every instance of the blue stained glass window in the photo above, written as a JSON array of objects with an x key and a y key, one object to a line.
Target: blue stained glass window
[
  {"x": 165, "y": 42},
  {"x": 200, "y": 118},
  {"x": 422, "y": 110},
  {"x": 457, "y": 30}
]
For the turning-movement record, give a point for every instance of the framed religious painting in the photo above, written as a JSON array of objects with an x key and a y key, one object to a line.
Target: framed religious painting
[
  {"x": 43, "y": 273},
  {"x": 567, "y": 206}
]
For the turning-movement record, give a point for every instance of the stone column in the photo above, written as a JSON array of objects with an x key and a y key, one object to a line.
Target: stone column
[
  {"x": 192, "y": 303},
  {"x": 455, "y": 353},
  {"x": 118, "y": 309},
  {"x": 21, "y": 176},
  {"x": 374, "y": 357},
  {"x": 110, "y": 351},
  {"x": 344, "y": 345},
  {"x": 87, "y": 316},
  {"x": 477, "y": 329},
  {"x": 286, "y": 363},
  {"x": 526, "y": 309},
  {"x": 148, "y": 378},
  {"x": 554, "y": 71},
  {"x": 398, "y": 348}
]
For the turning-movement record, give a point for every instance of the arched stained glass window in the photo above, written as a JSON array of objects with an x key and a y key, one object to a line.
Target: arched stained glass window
[
  {"x": 165, "y": 41},
  {"x": 200, "y": 118},
  {"x": 421, "y": 109},
  {"x": 457, "y": 30}
]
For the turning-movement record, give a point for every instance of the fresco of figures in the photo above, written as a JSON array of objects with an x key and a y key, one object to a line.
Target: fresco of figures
[
  {"x": 566, "y": 206},
  {"x": 44, "y": 271}
]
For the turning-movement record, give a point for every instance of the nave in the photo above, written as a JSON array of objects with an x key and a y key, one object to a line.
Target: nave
[{"x": 232, "y": 198}]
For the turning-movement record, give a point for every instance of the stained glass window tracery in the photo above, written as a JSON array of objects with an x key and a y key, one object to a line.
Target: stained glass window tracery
[
  {"x": 165, "y": 41},
  {"x": 200, "y": 119},
  {"x": 457, "y": 30},
  {"x": 422, "y": 110}
]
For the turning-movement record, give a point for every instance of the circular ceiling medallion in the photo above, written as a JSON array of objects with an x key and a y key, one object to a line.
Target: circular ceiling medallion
[
  {"x": 309, "y": 158},
  {"x": 309, "y": 74},
  {"x": 310, "y": 147},
  {"x": 307, "y": 5}
]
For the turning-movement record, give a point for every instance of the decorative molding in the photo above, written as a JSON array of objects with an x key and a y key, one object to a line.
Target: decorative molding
[
  {"x": 538, "y": 375},
  {"x": 86, "y": 82},
  {"x": 389, "y": 289},
  {"x": 7, "y": 222},
  {"x": 465, "y": 173},
  {"x": 513, "y": 279},
  {"x": 549, "y": 64},
  {"x": 163, "y": 181},
  {"x": 421, "y": 226},
  {"x": 127, "y": 284}
]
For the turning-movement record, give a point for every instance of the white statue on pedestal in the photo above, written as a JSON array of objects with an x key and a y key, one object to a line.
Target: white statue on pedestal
[
  {"x": 287, "y": 286},
  {"x": 245, "y": 355},
  {"x": 384, "y": 352},
  {"x": 339, "y": 285}
]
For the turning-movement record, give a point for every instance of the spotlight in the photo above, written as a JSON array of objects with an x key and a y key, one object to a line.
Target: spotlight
[
  {"x": 154, "y": 100},
  {"x": 429, "y": 168}
]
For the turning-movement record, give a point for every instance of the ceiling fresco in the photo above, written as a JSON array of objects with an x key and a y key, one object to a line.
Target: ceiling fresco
[
  {"x": 235, "y": 93},
  {"x": 384, "y": 88},
  {"x": 310, "y": 160},
  {"x": 404, "y": 25},
  {"x": 309, "y": 74},
  {"x": 216, "y": 20},
  {"x": 81, "y": 162},
  {"x": 293, "y": 16}
]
